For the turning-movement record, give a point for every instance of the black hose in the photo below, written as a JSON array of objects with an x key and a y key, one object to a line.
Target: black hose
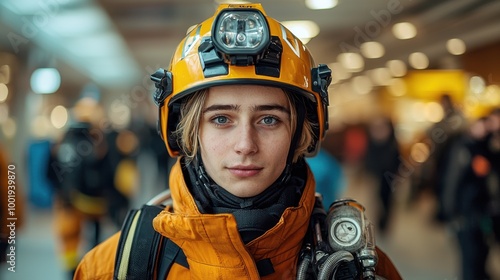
[
  {"x": 332, "y": 262},
  {"x": 303, "y": 267}
]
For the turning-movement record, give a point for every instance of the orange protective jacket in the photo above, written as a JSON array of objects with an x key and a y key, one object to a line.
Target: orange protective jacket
[{"x": 213, "y": 246}]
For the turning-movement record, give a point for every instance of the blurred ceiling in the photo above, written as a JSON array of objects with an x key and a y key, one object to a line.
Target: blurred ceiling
[{"x": 139, "y": 36}]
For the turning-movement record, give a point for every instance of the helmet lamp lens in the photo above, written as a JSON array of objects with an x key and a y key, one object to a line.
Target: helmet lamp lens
[{"x": 241, "y": 32}]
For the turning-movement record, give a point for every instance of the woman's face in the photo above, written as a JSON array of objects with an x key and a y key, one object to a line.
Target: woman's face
[{"x": 245, "y": 136}]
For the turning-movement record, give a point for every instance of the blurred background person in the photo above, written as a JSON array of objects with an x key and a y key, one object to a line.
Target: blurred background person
[
  {"x": 354, "y": 146},
  {"x": 153, "y": 161},
  {"x": 81, "y": 177},
  {"x": 382, "y": 159},
  {"x": 121, "y": 163},
  {"x": 441, "y": 134},
  {"x": 465, "y": 198},
  {"x": 493, "y": 146}
]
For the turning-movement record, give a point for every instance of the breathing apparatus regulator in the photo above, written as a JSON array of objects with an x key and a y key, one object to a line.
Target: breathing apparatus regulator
[{"x": 340, "y": 244}]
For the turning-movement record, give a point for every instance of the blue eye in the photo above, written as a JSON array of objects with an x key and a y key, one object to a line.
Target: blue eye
[
  {"x": 220, "y": 120},
  {"x": 269, "y": 120}
]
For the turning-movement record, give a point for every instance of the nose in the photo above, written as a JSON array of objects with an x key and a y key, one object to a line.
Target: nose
[{"x": 246, "y": 140}]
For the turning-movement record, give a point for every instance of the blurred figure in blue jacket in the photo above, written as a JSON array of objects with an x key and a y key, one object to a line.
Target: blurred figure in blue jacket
[{"x": 329, "y": 176}]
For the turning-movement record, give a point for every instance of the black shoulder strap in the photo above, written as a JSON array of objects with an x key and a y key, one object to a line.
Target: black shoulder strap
[
  {"x": 141, "y": 249},
  {"x": 170, "y": 253}
]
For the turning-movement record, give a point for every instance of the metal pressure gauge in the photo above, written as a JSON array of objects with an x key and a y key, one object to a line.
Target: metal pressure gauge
[
  {"x": 346, "y": 225},
  {"x": 345, "y": 231}
]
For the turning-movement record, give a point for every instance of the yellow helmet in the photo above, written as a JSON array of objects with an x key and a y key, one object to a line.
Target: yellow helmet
[{"x": 240, "y": 44}]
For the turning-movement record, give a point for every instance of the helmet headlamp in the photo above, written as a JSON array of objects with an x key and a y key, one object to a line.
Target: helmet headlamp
[
  {"x": 240, "y": 44},
  {"x": 240, "y": 32}
]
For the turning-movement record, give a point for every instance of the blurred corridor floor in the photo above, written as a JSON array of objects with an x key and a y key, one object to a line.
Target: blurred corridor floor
[
  {"x": 36, "y": 249},
  {"x": 419, "y": 248},
  {"x": 36, "y": 256}
]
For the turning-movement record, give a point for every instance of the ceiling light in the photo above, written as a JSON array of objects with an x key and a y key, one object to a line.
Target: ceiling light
[
  {"x": 433, "y": 112},
  {"x": 477, "y": 84},
  {"x": 45, "y": 80},
  {"x": 321, "y": 4},
  {"x": 352, "y": 62},
  {"x": 305, "y": 30},
  {"x": 4, "y": 92},
  {"x": 455, "y": 46},
  {"x": 404, "y": 30},
  {"x": 59, "y": 116},
  {"x": 372, "y": 49},
  {"x": 418, "y": 60},
  {"x": 396, "y": 67}
]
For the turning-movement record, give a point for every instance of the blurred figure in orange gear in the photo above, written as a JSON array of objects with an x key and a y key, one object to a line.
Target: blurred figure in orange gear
[{"x": 80, "y": 176}]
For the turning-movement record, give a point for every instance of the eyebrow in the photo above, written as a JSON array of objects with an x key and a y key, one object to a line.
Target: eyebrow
[{"x": 257, "y": 108}]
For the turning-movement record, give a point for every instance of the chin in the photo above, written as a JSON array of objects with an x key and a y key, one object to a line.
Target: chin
[{"x": 245, "y": 191}]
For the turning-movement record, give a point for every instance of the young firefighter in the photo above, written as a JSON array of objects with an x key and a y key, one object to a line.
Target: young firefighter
[{"x": 241, "y": 105}]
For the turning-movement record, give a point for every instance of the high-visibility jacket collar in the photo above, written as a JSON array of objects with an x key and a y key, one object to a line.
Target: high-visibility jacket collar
[{"x": 212, "y": 243}]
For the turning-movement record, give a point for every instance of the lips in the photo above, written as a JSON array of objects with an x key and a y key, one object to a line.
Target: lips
[{"x": 245, "y": 171}]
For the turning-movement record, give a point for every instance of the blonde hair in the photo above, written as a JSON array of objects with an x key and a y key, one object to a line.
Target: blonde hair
[{"x": 187, "y": 130}]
